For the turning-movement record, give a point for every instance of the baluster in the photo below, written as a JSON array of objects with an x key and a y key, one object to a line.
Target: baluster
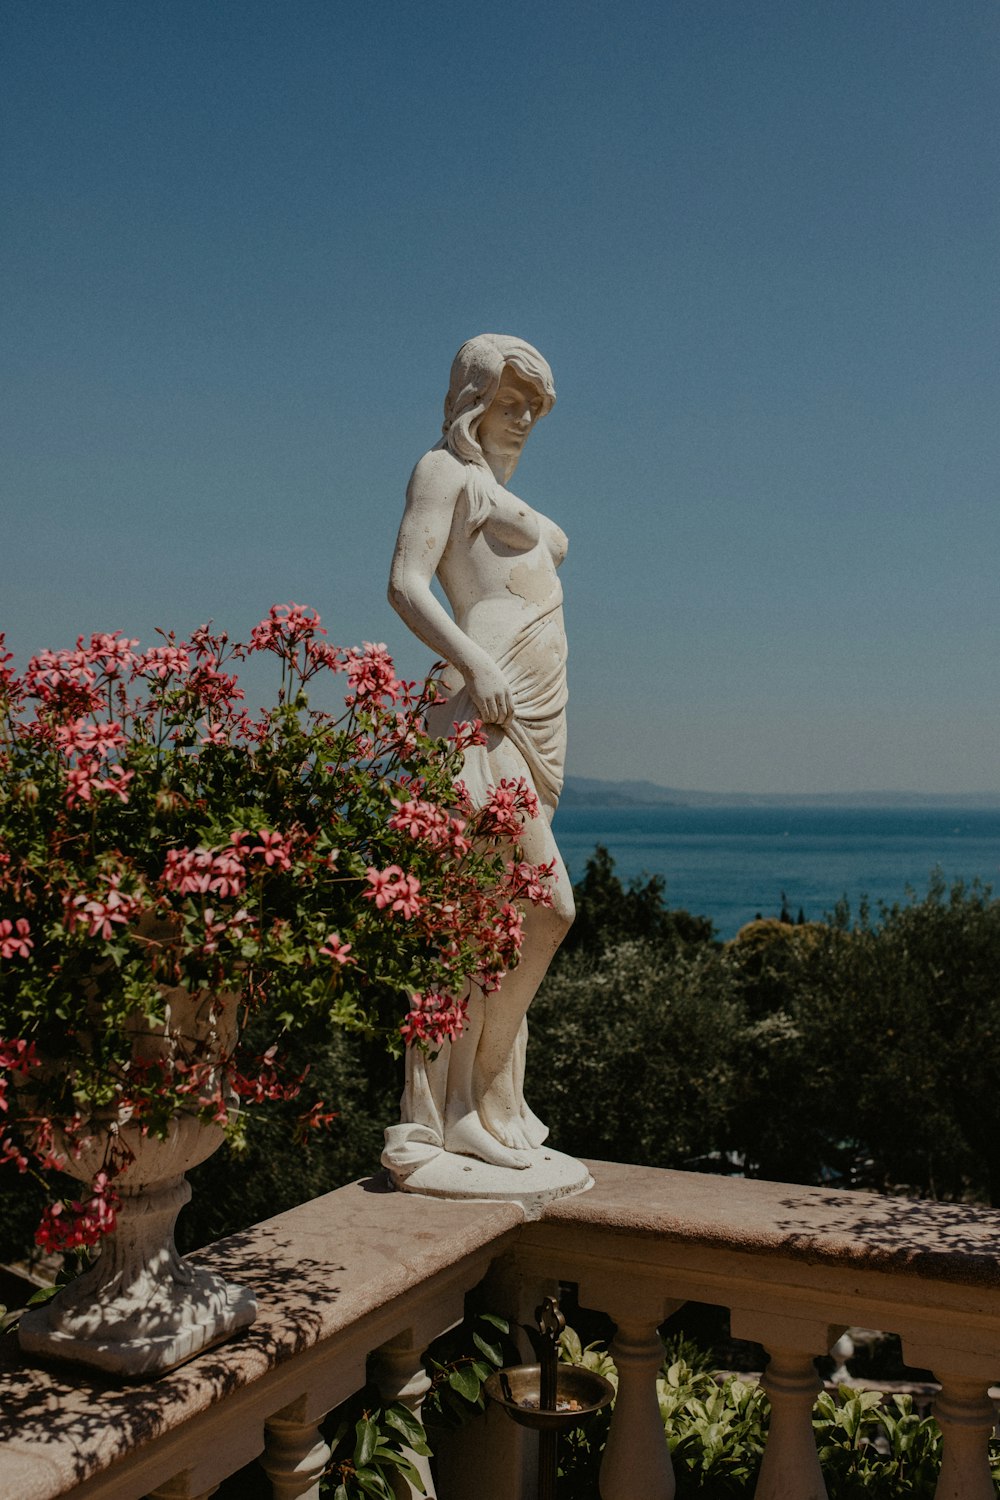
[
  {"x": 791, "y": 1468},
  {"x": 400, "y": 1376},
  {"x": 965, "y": 1414},
  {"x": 967, "y": 1418},
  {"x": 637, "y": 1459},
  {"x": 295, "y": 1453}
]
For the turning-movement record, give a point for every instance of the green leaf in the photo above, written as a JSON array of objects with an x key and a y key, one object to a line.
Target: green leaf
[
  {"x": 404, "y": 1422},
  {"x": 408, "y": 1471},
  {"x": 44, "y": 1294},
  {"x": 493, "y": 1352},
  {"x": 374, "y": 1483},
  {"x": 366, "y": 1439},
  {"x": 464, "y": 1381}
]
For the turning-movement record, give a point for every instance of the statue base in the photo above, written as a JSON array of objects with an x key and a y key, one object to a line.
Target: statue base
[{"x": 550, "y": 1175}]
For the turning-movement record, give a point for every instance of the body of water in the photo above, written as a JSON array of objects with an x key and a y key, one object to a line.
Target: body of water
[{"x": 731, "y": 863}]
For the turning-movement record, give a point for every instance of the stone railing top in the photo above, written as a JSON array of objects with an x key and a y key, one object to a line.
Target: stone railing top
[
  {"x": 357, "y": 1262},
  {"x": 951, "y": 1242},
  {"x": 317, "y": 1270}
]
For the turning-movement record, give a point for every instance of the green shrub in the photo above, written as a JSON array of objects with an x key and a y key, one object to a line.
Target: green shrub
[{"x": 634, "y": 1054}]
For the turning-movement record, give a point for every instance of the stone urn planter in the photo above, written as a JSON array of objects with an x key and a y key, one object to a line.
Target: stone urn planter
[{"x": 141, "y": 1309}]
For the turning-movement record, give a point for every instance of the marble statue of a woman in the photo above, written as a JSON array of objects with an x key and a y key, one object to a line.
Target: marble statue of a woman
[{"x": 465, "y": 1128}]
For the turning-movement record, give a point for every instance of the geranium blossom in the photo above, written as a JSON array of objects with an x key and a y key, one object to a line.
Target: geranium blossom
[
  {"x": 337, "y": 950},
  {"x": 116, "y": 781},
  {"x": 100, "y": 914},
  {"x": 15, "y": 943},
  {"x": 162, "y": 662},
  {"x": 391, "y": 888},
  {"x": 467, "y": 734},
  {"x": 72, "y": 1226},
  {"x": 533, "y": 882},
  {"x": 507, "y": 806},
  {"x": 371, "y": 673},
  {"x": 434, "y": 1018},
  {"x": 284, "y": 628},
  {"x": 194, "y": 872},
  {"x": 81, "y": 781},
  {"x": 274, "y": 849}
]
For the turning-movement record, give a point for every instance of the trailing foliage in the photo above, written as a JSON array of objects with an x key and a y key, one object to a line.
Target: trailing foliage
[
  {"x": 459, "y": 1363},
  {"x": 369, "y": 1442}
]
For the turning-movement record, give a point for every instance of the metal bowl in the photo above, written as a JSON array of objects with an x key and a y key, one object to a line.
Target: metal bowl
[{"x": 512, "y": 1387}]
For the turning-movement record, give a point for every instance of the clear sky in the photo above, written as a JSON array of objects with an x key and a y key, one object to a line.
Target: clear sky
[{"x": 757, "y": 240}]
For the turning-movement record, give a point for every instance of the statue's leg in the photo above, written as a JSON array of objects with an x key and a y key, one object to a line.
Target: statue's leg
[
  {"x": 464, "y": 1132},
  {"x": 498, "y": 1074},
  {"x": 535, "y": 1131}
]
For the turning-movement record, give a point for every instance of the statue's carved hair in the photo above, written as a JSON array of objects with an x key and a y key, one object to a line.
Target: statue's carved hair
[{"x": 475, "y": 380}]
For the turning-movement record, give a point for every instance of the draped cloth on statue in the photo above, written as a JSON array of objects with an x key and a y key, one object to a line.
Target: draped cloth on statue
[{"x": 534, "y": 664}]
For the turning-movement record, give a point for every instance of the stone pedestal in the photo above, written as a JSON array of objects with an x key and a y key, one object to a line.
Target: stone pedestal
[
  {"x": 443, "y": 1174},
  {"x": 141, "y": 1308}
]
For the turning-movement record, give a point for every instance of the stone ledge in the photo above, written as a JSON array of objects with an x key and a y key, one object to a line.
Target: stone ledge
[
  {"x": 950, "y": 1242},
  {"x": 341, "y": 1274},
  {"x": 319, "y": 1270}
]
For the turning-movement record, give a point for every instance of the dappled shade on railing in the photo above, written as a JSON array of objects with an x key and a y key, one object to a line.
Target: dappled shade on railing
[{"x": 355, "y": 1284}]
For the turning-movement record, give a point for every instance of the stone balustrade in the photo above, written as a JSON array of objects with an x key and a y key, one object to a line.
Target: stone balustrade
[{"x": 355, "y": 1285}]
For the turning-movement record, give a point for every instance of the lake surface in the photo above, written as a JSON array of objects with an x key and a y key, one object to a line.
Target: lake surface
[{"x": 731, "y": 863}]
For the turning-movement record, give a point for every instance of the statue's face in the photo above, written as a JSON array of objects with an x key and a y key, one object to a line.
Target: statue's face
[{"x": 510, "y": 416}]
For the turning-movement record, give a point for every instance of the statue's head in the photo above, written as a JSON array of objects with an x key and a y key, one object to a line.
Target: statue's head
[{"x": 475, "y": 379}]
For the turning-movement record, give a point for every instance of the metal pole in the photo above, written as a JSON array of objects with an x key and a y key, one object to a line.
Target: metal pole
[{"x": 550, "y": 1325}]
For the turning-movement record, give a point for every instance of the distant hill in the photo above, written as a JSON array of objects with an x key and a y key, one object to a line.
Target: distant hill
[{"x": 587, "y": 791}]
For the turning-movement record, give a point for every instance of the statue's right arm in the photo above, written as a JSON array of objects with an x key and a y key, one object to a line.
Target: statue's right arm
[{"x": 433, "y": 493}]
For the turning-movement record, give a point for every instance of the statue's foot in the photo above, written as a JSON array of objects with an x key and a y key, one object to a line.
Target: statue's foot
[
  {"x": 535, "y": 1133},
  {"x": 468, "y": 1137},
  {"x": 510, "y": 1131}
]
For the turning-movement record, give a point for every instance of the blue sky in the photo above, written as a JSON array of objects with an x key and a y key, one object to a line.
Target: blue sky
[{"x": 757, "y": 241}]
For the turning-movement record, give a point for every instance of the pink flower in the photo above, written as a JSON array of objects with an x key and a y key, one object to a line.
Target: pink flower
[
  {"x": 533, "y": 882},
  {"x": 286, "y": 625},
  {"x": 216, "y": 928},
  {"x": 466, "y": 734},
  {"x": 274, "y": 849},
  {"x": 390, "y": 887},
  {"x": 188, "y": 871},
  {"x": 81, "y": 782},
  {"x": 116, "y": 781},
  {"x": 213, "y": 688},
  {"x": 434, "y": 1018},
  {"x": 162, "y": 662},
  {"x": 371, "y": 673},
  {"x": 194, "y": 872},
  {"x": 98, "y": 739},
  {"x": 14, "y": 943},
  {"x": 507, "y": 806},
  {"x": 335, "y": 949},
  {"x": 50, "y": 671},
  {"x": 18, "y": 1056},
  {"x": 69, "y": 1226},
  {"x": 11, "y": 1152},
  {"x": 112, "y": 650},
  {"x": 102, "y": 915},
  {"x": 382, "y": 884}
]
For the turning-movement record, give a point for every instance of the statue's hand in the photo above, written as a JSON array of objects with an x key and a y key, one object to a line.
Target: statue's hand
[{"x": 490, "y": 692}]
